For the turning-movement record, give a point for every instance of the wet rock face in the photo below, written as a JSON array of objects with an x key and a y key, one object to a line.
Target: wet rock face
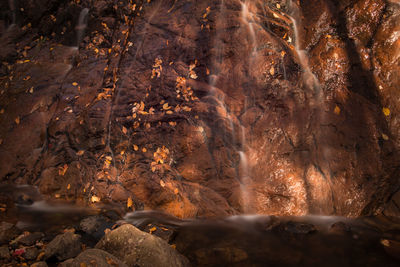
[{"x": 204, "y": 108}]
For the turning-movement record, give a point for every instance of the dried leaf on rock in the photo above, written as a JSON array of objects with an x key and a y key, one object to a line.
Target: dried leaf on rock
[
  {"x": 94, "y": 199},
  {"x": 337, "y": 110},
  {"x": 129, "y": 202},
  {"x": 386, "y": 111}
]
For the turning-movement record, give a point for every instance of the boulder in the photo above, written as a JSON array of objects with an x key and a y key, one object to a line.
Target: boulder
[
  {"x": 96, "y": 257},
  {"x": 137, "y": 248},
  {"x": 4, "y": 253},
  {"x": 7, "y": 232},
  {"x": 65, "y": 246}
]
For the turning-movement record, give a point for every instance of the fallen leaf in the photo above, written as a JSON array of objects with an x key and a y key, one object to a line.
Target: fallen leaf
[
  {"x": 95, "y": 199},
  {"x": 337, "y": 110},
  {"x": 386, "y": 111},
  {"x": 385, "y": 242},
  {"x": 173, "y": 246},
  {"x": 129, "y": 202},
  {"x": 135, "y": 147},
  {"x": 80, "y": 152},
  {"x": 144, "y": 150},
  {"x": 272, "y": 71},
  {"x": 75, "y": 84},
  {"x": 385, "y": 137},
  {"x": 17, "y": 120},
  {"x": 162, "y": 183},
  {"x": 62, "y": 170},
  {"x": 151, "y": 230},
  {"x": 18, "y": 252},
  {"x": 124, "y": 130},
  {"x": 31, "y": 90},
  {"x": 68, "y": 186},
  {"x": 166, "y": 107},
  {"x": 176, "y": 191},
  {"x": 40, "y": 256}
]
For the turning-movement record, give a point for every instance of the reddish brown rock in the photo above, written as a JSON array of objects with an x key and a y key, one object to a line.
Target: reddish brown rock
[{"x": 204, "y": 108}]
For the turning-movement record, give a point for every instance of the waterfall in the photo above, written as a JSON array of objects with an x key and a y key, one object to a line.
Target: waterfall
[
  {"x": 13, "y": 8},
  {"x": 81, "y": 26},
  {"x": 310, "y": 80}
]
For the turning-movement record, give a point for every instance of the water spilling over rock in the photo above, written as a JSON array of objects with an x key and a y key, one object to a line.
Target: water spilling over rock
[{"x": 204, "y": 108}]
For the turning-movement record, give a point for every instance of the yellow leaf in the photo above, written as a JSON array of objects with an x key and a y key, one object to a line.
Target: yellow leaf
[
  {"x": 135, "y": 147},
  {"x": 95, "y": 199},
  {"x": 144, "y": 150},
  {"x": 63, "y": 170},
  {"x": 31, "y": 90},
  {"x": 386, "y": 111},
  {"x": 170, "y": 112},
  {"x": 272, "y": 71},
  {"x": 129, "y": 202},
  {"x": 151, "y": 230},
  {"x": 17, "y": 120},
  {"x": 385, "y": 137},
  {"x": 68, "y": 186},
  {"x": 80, "y": 152},
  {"x": 337, "y": 110},
  {"x": 173, "y": 246},
  {"x": 176, "y": 191},
  {"x": 124, "y": 130},
  {"x": 162, "y": 183},
  {"x": 385, "y": 242},
  {"x": 75, "y": 84},
  {"x": 166, "y": 107}
]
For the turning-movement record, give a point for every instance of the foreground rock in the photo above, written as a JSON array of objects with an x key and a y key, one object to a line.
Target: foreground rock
[
  {"x": 65, "y": 246},
  {"x": 7, "y": 232},
  {"x": 136, "y": 248},
  {"x": 93, "y": 257}
]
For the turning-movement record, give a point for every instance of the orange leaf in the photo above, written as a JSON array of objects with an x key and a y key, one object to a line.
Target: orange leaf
[{"x": 129, "y": 202}]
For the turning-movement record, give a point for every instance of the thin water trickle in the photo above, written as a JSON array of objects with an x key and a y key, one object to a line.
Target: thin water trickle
[
  {"x": 310, "y": 80},
  {"x": 81, "y": 26},
  {"x": 13, "y": 8}
]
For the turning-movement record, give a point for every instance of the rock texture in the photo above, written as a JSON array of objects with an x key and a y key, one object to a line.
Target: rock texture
[
  {"x": 62, "y": 247},
  {"x": 94, "y": 257},
  {"x": 137, "y": 248},
  {"x": 204, "y": 108}
]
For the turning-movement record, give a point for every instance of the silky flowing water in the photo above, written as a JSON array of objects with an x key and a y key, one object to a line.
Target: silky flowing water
[{"x": 244, "y": 133}]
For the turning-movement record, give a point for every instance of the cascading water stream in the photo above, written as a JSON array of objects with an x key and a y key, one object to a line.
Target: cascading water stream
[
  {"x": 13, "y": 8},
  {"x": 81, "y": 26},
  {"x": 310, "y": 80}
]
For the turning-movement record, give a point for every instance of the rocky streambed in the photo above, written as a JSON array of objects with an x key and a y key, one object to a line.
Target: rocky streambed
[{"x": 160, "y": 239}]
